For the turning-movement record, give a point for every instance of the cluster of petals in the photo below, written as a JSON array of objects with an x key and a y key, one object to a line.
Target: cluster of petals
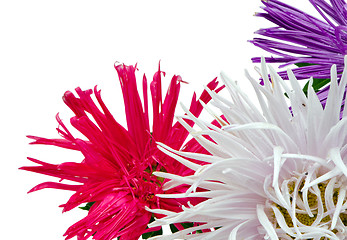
[
  {"x": 277, "y": 167},
  {"x": 115, "y": 174},
  {"x": 299, "y": 38}
]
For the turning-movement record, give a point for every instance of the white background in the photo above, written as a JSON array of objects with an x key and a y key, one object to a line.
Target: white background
[{"x": 48, "y": 47}]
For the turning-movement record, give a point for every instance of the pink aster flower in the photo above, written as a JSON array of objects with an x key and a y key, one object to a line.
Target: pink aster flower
[{"x": 115, "y": 176}]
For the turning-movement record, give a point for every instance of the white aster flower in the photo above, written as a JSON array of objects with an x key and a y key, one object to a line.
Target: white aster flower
[{"x": 278, "y": 173}]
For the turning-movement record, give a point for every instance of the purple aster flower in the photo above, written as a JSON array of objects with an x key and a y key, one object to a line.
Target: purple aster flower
[{"x": 301, "y": 39}]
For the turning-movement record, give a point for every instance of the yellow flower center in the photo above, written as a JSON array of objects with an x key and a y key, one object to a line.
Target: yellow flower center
[{"x": 312, "y": 200}]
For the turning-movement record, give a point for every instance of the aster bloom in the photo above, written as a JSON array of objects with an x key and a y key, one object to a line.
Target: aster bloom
[
  {"x": 304, "y": 40},
  {"x": 115, "y": 177},
  {"x": 275, "y": 172}
]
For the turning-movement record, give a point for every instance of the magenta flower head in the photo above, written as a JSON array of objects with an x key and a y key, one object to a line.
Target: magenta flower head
[
  {"x": 115, "y": 177},
  {"x": 313, "y": 45}
]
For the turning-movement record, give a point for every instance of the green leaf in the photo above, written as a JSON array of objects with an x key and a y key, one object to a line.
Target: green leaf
[
  {"x": 173, "y": 228},
  {"x": 87, "y": 206},
  {"x": 304, "y": 64},
  {"x": 154, "y": 233},
  {"x": 186, "y": 225},
  {"x": 317, "y": 84}
]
